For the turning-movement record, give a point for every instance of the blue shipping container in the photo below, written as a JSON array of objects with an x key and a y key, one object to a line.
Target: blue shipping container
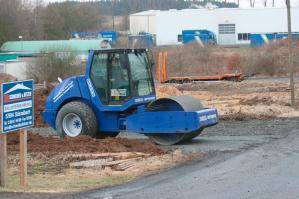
[
  {"x": 110, "y": 35},
  {"x": 206, "y": 36},
  {"x": 144, "y": 40},
  {"x": 259, "y": 39}
]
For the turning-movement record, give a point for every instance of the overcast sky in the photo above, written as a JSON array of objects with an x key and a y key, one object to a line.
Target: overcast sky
[{"x": 244, "y": 3}]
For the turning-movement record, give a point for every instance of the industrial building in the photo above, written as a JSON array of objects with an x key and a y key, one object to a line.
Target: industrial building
[{"x": 232, "y": 26}]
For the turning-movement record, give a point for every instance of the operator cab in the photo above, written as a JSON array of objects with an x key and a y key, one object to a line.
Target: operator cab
[{"x": 121, "y": 74}]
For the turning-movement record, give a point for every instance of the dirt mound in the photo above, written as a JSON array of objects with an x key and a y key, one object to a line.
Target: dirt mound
[
  {"x": 40, "y": 97},
  {"x": 165, "y": 90},
  {"x": 252, "y": 99},
  {"x": 226, "y": 87},
  {"x": 244, "y": 116},
  {"x": 51, "y": 146},
  {"x": 264, "y": 100}
]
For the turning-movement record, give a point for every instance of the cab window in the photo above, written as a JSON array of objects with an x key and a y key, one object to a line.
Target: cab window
[
  {"x": 141, "y": 77},
  {"x": 99, "y": 76},
  {"x": 110, "y": 76},
  {"x": 119, "y": 83}
]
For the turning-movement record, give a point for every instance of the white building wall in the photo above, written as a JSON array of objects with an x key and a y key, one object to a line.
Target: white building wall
[
  {"x": 167, "y": 25},
  {"x": 142, "y": 23},
  {"x": 16, "y": 69}
]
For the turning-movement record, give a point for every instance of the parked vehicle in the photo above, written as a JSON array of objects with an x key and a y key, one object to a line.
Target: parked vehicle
[{"x": 117, "y": 93}]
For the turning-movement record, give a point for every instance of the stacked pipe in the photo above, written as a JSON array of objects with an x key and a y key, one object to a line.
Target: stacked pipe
[{"x": 161, "y": 70}]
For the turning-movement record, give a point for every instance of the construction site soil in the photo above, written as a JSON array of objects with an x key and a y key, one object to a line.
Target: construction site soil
[
  {"x": 250, "y": 99},
  {"x": 50, "y": 157},
  {"x": 52, "y": 146},
  {"x": 40, "y": 97}
]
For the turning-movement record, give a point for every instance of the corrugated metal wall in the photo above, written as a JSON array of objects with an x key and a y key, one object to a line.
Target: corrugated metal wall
[{"x": 142, "y": 23}]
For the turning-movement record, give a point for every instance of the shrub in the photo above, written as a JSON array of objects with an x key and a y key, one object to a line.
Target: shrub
[{"x": 48, "y": 67}]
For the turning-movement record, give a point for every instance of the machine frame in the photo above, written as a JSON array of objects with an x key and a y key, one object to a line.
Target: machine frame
[{"x": 134, "y": 115}]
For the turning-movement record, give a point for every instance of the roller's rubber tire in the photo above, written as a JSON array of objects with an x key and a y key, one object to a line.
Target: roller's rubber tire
[{"x": 84, "y": 112}]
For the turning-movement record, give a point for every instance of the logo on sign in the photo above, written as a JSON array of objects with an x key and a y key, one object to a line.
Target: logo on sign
[{"x": 11, "y": 96}]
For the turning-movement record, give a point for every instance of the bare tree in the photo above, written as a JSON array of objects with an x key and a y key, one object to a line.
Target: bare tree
[
  {"x": 252, "y": 3},
  {"x": 49, "y": 66},
  {"x": 14, "y": 20},
  {"x": 291, "y": 63}
]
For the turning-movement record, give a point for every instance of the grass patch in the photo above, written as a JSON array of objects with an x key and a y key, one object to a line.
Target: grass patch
[{"x": 71, "y": 181}]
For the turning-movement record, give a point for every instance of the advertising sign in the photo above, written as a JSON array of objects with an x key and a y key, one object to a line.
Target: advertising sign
[{"x": 17, "y": 105}]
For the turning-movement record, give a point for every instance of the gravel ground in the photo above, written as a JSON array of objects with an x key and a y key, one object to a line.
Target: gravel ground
[
  {"x": 266, "y": 171},
  {"x": 220, "y": 143},
  {"x": 253, "y": 127}
]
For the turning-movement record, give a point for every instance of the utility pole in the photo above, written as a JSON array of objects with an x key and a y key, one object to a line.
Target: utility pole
[
  {"x": 36, "y": 12},
  {"x": 113, "y": 17},
  {"x": 291, "y": 64}
]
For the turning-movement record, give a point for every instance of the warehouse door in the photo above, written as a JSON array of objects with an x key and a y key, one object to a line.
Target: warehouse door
[{"x": 227, "y": 34}]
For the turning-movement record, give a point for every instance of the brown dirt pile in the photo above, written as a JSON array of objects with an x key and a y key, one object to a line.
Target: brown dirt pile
[
  {"x": 165, "y": 90},
  {"x": 228, "y": 88},
  {"x": 252, "y": 99},
  {"x": 264, "y": 100},
  {"x": 40, "y": 97},
  {"x": 51, "y": 146},
  {"x": 243, "y": 115}
]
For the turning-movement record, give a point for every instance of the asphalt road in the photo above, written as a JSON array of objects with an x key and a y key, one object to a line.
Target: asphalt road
[
  {"x": 245, "y": 159},
  {"x": 263, "y": 166}
]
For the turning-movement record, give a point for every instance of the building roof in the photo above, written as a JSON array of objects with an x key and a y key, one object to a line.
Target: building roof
[
  {"x": 193, "y": 10},
  {"x": 147, "y": 13},
  {"x": 13, "y": 56},
  {"x": 51, "y": 46}
]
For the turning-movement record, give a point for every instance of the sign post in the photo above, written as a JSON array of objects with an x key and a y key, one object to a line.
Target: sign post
[
  {"x": 17, "y": 114},
  {"x": 23, "y": 157},
  {"x": 3, "y": 162}
]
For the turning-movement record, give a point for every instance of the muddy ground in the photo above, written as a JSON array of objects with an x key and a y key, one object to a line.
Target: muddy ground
[
  {"x": 83, "y": 163},
  {"x": 219, "y": 144},
  {"x": 53, "y": 145},
  {"x": 252, "y": 112}
]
